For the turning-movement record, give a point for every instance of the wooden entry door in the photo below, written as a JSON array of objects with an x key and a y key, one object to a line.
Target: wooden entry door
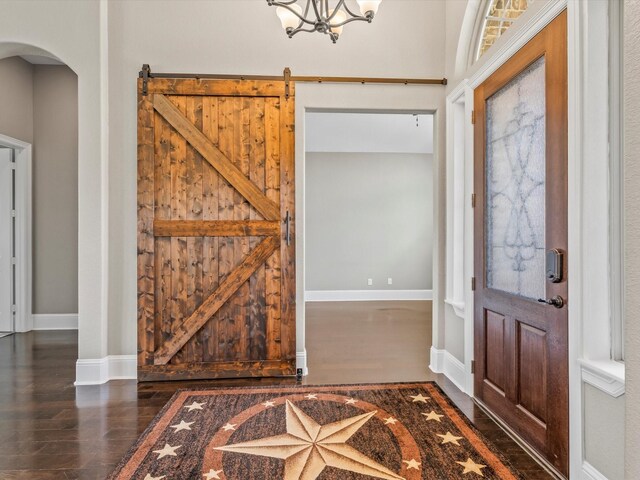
[
  {"x": 216, "y": 229},
  {"x": 521, "y": 345}
]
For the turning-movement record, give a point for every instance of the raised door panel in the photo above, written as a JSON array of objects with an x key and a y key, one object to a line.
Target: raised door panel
[
  {"x": 532, "y": 371},
  {"x": 496, "y": 367}
]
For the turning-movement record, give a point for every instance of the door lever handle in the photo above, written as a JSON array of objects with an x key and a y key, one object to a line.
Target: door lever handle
[{"x": 556, "y": 301}]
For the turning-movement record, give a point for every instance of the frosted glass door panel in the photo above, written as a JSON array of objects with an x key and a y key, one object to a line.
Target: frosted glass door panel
[{"x": 515, "y": 185}]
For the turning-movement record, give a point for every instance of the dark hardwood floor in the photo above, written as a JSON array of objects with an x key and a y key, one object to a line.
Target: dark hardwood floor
[{"x": 50, "y": 429}]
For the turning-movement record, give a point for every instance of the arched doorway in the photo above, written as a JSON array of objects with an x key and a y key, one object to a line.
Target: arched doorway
[{"x": 92, "y": 209}]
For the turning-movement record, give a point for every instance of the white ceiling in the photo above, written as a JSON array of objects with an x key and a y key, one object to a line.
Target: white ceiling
[
  {"x": 41, "y": 60},
  {"x": 368, "y": 132}
]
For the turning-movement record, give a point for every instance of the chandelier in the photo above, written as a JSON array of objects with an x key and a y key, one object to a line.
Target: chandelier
[{"x": 319, "y": 16}]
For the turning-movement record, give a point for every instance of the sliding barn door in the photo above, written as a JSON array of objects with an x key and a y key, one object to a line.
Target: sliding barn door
[{"x": 216, "y": 266}]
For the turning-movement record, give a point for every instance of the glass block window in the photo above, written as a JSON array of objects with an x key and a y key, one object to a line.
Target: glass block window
[{"x": 500, "y": 16}]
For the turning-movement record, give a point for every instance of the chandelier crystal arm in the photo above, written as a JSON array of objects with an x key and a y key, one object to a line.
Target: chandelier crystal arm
[
  {"x": 286, "y": 5},
  {"x": 349, "y": 20},
  {"x": 335, "y": 11},
  {"x": 315, "y": 8},
  {"x": 348, "y": 10},
  {"x": 298, "y": 30},
  {"x": 327, "y": 20}
]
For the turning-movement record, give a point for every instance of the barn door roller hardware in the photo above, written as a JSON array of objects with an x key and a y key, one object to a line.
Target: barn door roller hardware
[{"x": 145, "y": 74}]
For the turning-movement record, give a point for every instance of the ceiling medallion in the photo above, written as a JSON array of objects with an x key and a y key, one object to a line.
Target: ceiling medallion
[{"x": 323, "y": 16}]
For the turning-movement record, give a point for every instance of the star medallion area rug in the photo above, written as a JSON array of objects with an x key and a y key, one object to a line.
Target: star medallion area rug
[{"x": 349, "y": 432}]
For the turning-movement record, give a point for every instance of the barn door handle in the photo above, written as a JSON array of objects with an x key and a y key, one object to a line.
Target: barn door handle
[
  {"x": 287, "y": 221},
  {"x": 556, "y": 301}
]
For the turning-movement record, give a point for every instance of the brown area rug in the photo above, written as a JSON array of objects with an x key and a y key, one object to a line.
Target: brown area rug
[{"x": 346, "y": 432}]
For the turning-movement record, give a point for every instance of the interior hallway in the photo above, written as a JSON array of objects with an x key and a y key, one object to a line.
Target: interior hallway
[{"x": 64, "y": 432}]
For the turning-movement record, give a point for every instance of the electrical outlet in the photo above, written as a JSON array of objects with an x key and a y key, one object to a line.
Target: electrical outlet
[
  {"x": 389, "y": 281},
  {"x": 370, "y": 281}
]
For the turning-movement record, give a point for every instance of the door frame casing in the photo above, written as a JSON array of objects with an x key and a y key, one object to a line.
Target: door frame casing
[
  {"x": 372, "y": 98},
  {"x": 588, "y": 312},
  {"x": 23, "y": 197}
]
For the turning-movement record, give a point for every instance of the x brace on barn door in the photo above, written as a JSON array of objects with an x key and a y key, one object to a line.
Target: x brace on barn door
[{"x": 269, "y": 228}]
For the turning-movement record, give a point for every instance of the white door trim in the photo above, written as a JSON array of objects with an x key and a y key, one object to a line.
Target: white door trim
[
  {"x": 23, "y": 286},
  {"x": 6, "y": 242}
]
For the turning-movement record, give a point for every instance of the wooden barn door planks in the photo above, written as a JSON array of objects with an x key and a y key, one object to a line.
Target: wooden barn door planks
[{"x": 216, "y": 230}]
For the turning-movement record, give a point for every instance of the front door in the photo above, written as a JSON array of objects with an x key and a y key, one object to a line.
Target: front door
[
  {"x": 216, "y": 266},
  {"x": 521, "y": 253}
]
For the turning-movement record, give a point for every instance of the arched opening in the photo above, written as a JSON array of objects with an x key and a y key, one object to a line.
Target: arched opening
[{"x": 39, "y": 194}]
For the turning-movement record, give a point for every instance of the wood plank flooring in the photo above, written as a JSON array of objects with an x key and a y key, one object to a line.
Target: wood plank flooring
[{"x": 50, "y": 429}]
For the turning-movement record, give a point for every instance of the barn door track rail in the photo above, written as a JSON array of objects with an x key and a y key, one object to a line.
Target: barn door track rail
[{"x": 146, "y": 74}]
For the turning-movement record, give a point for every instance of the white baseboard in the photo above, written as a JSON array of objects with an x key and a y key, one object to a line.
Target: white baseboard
[
  {"x": 589, "y": 472},
  {"x": 445, "y": 363},
  {"x": 95, "y": 371},
  {"x": 55, "y": 321},
  {"x": 365, "y": 295},
  {"x": 301, "y": 362}
]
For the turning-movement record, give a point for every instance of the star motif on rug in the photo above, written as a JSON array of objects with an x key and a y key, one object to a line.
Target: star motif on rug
[
  {"x": 390, "y": 420},
  {"x": 149, "y": 477},
  {"x": 229, "y": 426},
  {"x": 308, "y": 447},
  {"x": 182, "y": 426},
  {"x": 311, "y": 396},
  {"x": 419, "y": 398},
  {"x": 268, "y": 404},
  {"x": 167, "y": 451},
  {"x": 433, "y": 416},
  {"x": 471, "y": 466},
  {"x": 449, "y": 438},
  {"x": 195, "y": 406},
  {"x": 412, "y": 464},
  {"x": 212, "y": 474},
  {"x": 351, "y": 401}
]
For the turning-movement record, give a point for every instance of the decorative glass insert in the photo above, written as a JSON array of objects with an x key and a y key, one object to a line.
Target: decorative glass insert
[
  {"x": 499, "y": 17},
  {"x": 515, "y": 185}
]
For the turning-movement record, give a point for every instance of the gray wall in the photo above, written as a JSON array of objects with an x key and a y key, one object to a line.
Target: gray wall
[
  {"x": 369, "y": 215},
  {"x": 632, "y": 233},
  {"x": 55, "y": 190},
  {"x": 16, "y": 99},
  {"x": 603, "y": 432},
  {"x": 39, "y": 105}
]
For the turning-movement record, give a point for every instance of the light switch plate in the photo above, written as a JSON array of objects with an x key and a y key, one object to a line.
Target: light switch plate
[
  {"x": 370, "y": 281},
  {"x": 389, "y": 281}
]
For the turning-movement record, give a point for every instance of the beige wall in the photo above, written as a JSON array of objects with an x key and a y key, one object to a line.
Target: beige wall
[
  {"x": 247, "y": 38},
  {"x": 55, "y": 190},
  {"x": 604, "y": 432},
  {"x": 369, "y": 215},
  {"x": 39, "y": 105},
  {"x": 75, "y": 32},
  {"x": 632, "y": 233},
  {"x": 16, "y": 99}
]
